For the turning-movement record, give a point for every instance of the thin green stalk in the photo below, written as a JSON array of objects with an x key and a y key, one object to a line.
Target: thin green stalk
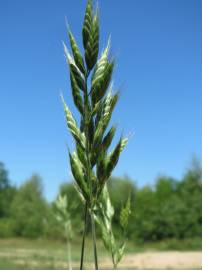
[
  {"x": 112, "y": 253},
  {"x": 69, "y": 254},
  {"x": 89, "y": 173},
  {"x": 84, "y": 237},
  {"x": 114, "y": 264},
  {"x": 94, "y": 241},
  {"x": 85, "y": 119}
]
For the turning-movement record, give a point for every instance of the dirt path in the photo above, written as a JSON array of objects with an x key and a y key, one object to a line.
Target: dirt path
[{"x": 163, "y": 260}]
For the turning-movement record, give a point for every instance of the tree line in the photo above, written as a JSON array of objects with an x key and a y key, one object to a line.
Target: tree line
[{"x": 169, "y": 208}]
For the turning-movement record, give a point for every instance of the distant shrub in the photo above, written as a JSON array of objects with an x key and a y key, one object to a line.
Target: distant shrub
[
  {"x": 6, "y": 228},
  {"x": 29, "y": 209}
]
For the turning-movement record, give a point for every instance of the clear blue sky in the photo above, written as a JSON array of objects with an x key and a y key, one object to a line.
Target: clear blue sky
[{"x": 158, "y": 47}]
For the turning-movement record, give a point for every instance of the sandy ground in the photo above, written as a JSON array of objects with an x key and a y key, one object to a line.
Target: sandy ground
[
  {"x": 163, "y": 260},
  {"x": 147, "y": 260}
]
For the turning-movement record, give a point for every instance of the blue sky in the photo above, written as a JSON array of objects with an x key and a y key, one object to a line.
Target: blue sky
[{"x": 158, "y": 48}]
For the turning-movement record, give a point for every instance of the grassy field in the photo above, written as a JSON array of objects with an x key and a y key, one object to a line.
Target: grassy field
[{"x": 42, "y": 254}]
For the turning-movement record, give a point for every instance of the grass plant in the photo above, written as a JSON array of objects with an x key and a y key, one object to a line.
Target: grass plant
[{"x": 95, "y": 99}]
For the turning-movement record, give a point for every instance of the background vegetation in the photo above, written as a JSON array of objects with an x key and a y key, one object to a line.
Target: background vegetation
[{"x": 168, "y": 210}]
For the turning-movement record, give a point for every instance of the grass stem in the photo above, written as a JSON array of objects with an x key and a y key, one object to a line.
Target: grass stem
[
  {"x": 84, "y": 237},
  {"x": 69, "y": 254},
  {"x": 94, "y": 241}
]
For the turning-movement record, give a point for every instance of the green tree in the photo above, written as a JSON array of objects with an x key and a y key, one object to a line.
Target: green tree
[
  {"x": 160, "y": 212},
  {"x": 167, "y": 205},
  {"x": 29, "y": 209},
  {"x": 190, "y": 192},
  {"x": 4, "y": 181},
  {"x": 7, "y": 192},
  {"x": 144, "y": 213}
]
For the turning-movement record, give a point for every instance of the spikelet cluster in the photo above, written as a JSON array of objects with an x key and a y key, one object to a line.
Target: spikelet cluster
[
  {"x": 90, "y": 76},
  {"x": 104, "y": 217}
]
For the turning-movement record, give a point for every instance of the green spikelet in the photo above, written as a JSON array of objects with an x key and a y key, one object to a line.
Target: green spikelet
[
  {"x": 102, "y": 146},
  {"x": 81, "y": 155},
  {"x": 101, "y": 77},
  {"x": 100, "y": 66},
  {"x": 98, "y": 134},
  {"x": 105, "y": 237},
  {"x": 110, "y": 103},
  {"x": 114, "y": 156},
  {"x": 87, "y": 25},
  {"x": 125, "y": 213},
  {"x": 71, "y": 123},
  {"x": 105, "y": 112},
  {"x": 101, "y": 87},
  {"x": 78, "y": 174},
  {"x": 108, "y": 107},
  {"x": 114, "y": 100},
  {"x": 76, "y": 53},
  {"x": 108, "y": 138},
  {"x": 107, "y": 205},
  {"x": 124, "y": 141},
  {"x": 92, "y": 47},
  {"x": 120, "y": 253},
  {"x": 76, "y": 94},
  {"x": 96, "y": 108},
  {"x": 78, "y": 75},
  {"x": 101, "y": 169},
  {"x": 101, "y": 123},
  {"x": 99, "y": 112}
]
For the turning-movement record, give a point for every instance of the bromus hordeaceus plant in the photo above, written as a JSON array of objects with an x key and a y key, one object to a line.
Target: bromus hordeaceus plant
[
  {"x": 62, "y": 215},
  {"x": 90, "y": 76}
]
